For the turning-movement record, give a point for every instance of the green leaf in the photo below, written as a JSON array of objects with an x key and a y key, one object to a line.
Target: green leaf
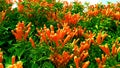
[
  {"x": 34, "y": 65},
  {"x": 47, "y": 65},
  {"x": 43, "y": 58},
  {"x": 19, "y": 52},
  {"x": 1, "y": 43},
  {"x": 118, "y": 56}
]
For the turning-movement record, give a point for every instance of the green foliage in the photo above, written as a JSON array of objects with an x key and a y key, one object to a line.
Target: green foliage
[{"x": 39, "y": 57}]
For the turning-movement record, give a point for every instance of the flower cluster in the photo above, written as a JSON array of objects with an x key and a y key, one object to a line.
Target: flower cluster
[
  {"x": 62, "y": 35},
  {"x": 71, "y": 19},
  {"x": 61, "y": 60},
  {"x": 81, "y": 53},
  {"x": 21, "y": 31}
]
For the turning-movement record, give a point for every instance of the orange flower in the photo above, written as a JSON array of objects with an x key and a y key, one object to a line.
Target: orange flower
[
  {"x": 85, "y": 54},
  {"x": 76, "y": 49},
  {"x": 26, "y": 33},
  {"x": 8, "y": 1},
  {"x": 48, "y": 33},
  {"x": 107, "y": 12},
  {"x": 32, "y": 42},
  {"x": 117, "y": 15},
  {"x": 86, "y": 64},
  {"x": 76, "y": 61},
  {"x": 100, "y": 38},
  {"x": 82, "y": 47},
  {"x": 3, "y": 14},
  {"x": 61, "y": 60},
  {"x": 55, "y": 38},
  {"x": 19, "y": 64},
  {"x": 51, "y": 27},
  {"x": 95, "y": 12},
  {"x": 43, "y": 37},
  {"x": 1, "y": 65},
  {"x": 13, "y": 60},
  {"x": 20, "y": 25},
  {"x": 67, "y": 39},
  {"x": 20, "y": 0},
  {"x": 1, "y": 57},
  {"x": 101, "y": 62},
  {"x": 65, "y": 4},
  {"x": 114, "y": 50},
  {"x": 38, "y": 31},
  {"x": 17, "y": 34},
  {"x": 20, "y": 7},
  {"x": 105, "y": 49},
  {"x": 28, "y": 26},
  {"x": 91, "y": 37},
  {"x": 118, "y": 49},
  {"x": 80, "y": 30},
  {"x": 97, "y": 60},
  {"x": 71, "y": 19},
  {"x": 35, "y": 0},
  {"x": 104, "y": 58}
]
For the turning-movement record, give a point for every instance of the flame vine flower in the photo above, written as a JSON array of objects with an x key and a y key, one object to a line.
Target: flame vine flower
[{"x": 21, "y": 31}]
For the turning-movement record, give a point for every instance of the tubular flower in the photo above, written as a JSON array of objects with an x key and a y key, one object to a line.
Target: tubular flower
[
  {"x": 1, "y": 57},
  {"x": 105, "y": 49},
  {"x": 82, "y": 50},
  {"x": 20, "y": 8},
  {"x": 61, "y": 36},
  {"x": 19, "y": 64},
  {"x": 89, "y": 36},
  {"x": 21, "y": 32},
  {"x": 84, "y": 46},
  {"x": 71, "y": 19},
  {"x": 13, "y": 59},
  {"x": 76, "y": 61},
  {"x": 102, "y": 61},
  {"x": 61, "y": 60},
  {"x": 117, "y": 15},
  {"x": 107, "y": 12},
  {"x": 80, "y": 59},
  {"x": 9, "y": 1},
  {"x": 100, "y": 38},
  {"x": 93, "y": 12},
  {"x": 114, "y": 50},
  {"x": 84, "y": 55},
  {"x": 86, "y": 64},
  {"x": 3, "y": 15},
  {"x": 32, "y": 42},
  {"x": 80, "y": 31},
  {"x": 1, "y": 65}
]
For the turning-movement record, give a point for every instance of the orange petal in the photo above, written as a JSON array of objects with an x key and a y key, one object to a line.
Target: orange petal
[
  {"x": 32, "y": 42},
  {"x": 114, "y": 50},
  {"x": 76, "y": 60},
  {"x": 29, "y": 25},
  {"x": 1, "y": 65},
  {"x": 67, "y": 39},
  {"x": 86, "y": 64},
  {"x": 98, "y": 39},
  {"x": 84, "y": 56},
  {"x": 13, "y": 59},
  {"x": 105, "y": 49},
  {"x": 51, "y": 27},
  {"x": 104, "y": 58},
  {"x": 98, "y": 60}
]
